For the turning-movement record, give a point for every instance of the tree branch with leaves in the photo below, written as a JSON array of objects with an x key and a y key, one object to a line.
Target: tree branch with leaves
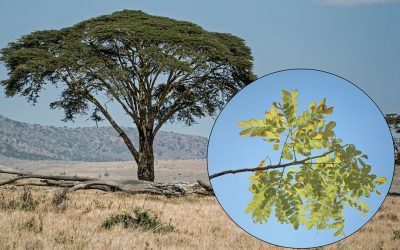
[{"x": 325, "y": 175}]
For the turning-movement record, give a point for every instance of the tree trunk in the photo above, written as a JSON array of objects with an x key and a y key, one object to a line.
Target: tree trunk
[{"x": 146, "y": 157}]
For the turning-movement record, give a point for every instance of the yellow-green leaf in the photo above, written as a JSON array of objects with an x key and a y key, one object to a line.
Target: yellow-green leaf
[
  {"x": 285, "y": 93},
  {"x": 337, "y": 224},
  {"x": 261, "y": 122},
  {"x": 244, "y": 124},
  {"x": 312, "y": 105},
  {"x": 272, "y": 135},
  {"x": 330, "y": 125},
  {"x": 322, "y": 102},
  {"x": 245, "y": 132},
  {"x": 339, "y": 232},
  {"x": 296, "y": 223},
  {"x": 318, "y": 136},
  {"x": 380, "y": 180},
  {"x": 253, "y": 123},
  {"x": 329, "y": 111},
  {"x": 287, "y": 155}
]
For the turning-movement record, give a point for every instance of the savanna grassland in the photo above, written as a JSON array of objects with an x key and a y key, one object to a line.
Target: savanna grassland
[{"x": 38, "y": 218}]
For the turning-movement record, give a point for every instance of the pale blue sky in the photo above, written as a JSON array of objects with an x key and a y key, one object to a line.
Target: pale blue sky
[
  {"x": 360, "y": 41},
  {"x": 359, "y": 122}
]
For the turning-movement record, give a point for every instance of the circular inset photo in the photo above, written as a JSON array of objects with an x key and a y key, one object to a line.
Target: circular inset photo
[{"x": 301, "y": 158}]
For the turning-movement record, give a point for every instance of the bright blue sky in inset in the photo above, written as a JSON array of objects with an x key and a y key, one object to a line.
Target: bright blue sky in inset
[
  {"x": 359, "y": 122},
  {"x": 360, "y": 42}
]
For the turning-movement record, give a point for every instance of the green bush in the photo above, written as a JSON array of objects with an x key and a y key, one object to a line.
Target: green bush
[
  {"x": 125, "y": 219},
  {"x": 142, "y": 219}
]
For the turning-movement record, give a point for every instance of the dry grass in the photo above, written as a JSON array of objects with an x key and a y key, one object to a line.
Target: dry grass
[{"x": 198, "y": 223}]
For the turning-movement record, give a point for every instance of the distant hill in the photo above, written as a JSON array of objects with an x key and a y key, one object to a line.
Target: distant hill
[{"x": 37, "y": 142}]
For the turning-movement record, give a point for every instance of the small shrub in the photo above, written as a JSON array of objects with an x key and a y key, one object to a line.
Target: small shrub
[
  {"x": 151, "y": 223},
  {"x": 27, "y": 202},
  {"x": 396, "y": 235},
  {"x": 3, "y": 202},
  {"x": 142, "y": 219},
  {"x": 59, "y": 197},
  {"x": 33, "y": 225},
  {"x": 125, "y": 219},
  {"x": 8, "y": 205},
  {"x": 13, "y": 204},
  {"x": 63, "y": 238}
]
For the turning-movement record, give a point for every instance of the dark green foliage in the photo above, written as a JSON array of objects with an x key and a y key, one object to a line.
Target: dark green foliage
[{"x": 142, "y": 219}]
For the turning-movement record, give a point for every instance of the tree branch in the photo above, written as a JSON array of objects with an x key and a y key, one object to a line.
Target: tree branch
[
  {"x": 293, "y": 163},
  {"x": 120, "y": 131},
  {"x": 72, "y": 183}
]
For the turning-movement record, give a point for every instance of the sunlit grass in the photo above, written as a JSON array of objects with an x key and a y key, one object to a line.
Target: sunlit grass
[{"x": 198, "y": 223}]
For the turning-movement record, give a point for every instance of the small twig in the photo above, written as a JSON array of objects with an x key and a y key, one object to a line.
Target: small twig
[
  {"x": 284, "y": 145},
  {"x": 267, "y": 157}
]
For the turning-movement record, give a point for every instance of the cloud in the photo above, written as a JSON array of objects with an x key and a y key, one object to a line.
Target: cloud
[{"x": 353, "y": 2}]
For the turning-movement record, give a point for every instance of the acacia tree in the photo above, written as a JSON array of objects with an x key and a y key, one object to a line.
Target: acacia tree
[
  {"x": 329, "y": 176},
  {"x": 157, "y": 69}
]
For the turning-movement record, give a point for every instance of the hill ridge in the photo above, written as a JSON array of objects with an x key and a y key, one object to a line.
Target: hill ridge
[{"x": 28, "y": 141}]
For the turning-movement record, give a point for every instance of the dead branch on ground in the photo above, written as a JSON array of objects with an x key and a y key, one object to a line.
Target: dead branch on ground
[{"x": 74, "y": 183}]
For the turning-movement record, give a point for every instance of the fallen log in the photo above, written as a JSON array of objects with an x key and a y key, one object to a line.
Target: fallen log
[{"x": 74, "y": 183}]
